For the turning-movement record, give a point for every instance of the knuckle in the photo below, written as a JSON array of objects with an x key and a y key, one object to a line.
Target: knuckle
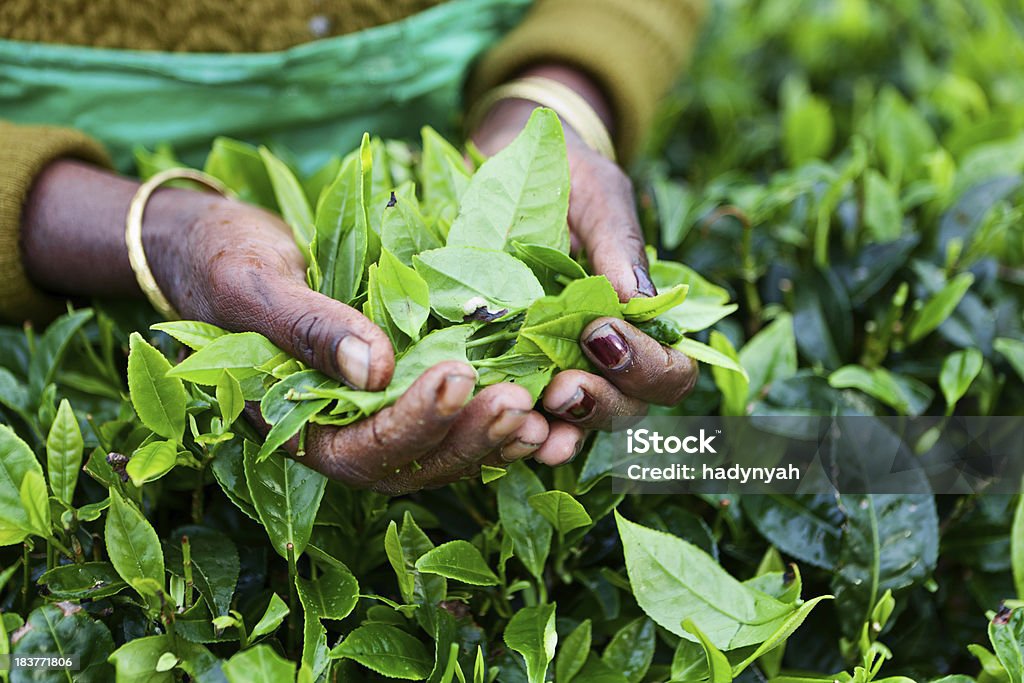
[
  {"x": 326, "y": 451},
  {"x": 683, "y": 373},
  {"x": 306, "y": 334}
]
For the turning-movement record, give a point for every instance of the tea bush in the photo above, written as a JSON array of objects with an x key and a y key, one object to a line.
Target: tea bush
[{"x": 850, "y": 173}]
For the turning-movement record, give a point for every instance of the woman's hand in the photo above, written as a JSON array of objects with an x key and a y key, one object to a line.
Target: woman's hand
[
  {"x": 237, "y": 266},
  {"x": 635, "y": 369}
]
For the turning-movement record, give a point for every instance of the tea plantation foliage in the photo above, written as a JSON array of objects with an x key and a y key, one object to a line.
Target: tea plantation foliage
[{"x": 847, "y": 178}]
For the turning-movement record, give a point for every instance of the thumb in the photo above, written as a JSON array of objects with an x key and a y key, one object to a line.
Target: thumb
[{"x": 328, "y": 335}]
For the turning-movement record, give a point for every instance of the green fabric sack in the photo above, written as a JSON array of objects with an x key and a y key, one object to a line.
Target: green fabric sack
[{"x": 315, "y": 99}]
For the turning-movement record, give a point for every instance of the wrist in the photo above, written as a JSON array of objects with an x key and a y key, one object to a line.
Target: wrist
[
  {"x": 577, "y": 100},
  {"x": 172, "y": 228},
  {"x": 580, "y": 83}
]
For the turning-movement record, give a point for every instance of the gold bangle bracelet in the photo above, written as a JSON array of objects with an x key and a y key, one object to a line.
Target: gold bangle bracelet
[
  {"x": 560, "y": 98},
  {"x": 133, "y": 232}
]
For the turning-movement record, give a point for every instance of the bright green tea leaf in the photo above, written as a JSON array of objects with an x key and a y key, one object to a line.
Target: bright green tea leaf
[
  {"x": 404, "y": 230},
  {"x": 291, "y": 199},
  {"x": 734, "y": 386},
  {"x": 238, "y": 353},
  {"x": 159, "y": 400},
  {"x": 334, "y": 593},
  {"x": 554, "y": 324},
  {"x": 770, "y": 355},
  {"x": 706, "y": 354},
  {"x": 35, "y": 500},
  {"x": 405, "y": 294},
  {"x": 259, "y": 664},
  {"x": 458, "y": 560},
  {"x": 229, "y": 398},
  {"x": 939, "y": 307},
  {"x": 192, "y": 333},
  {"x": 272, "y": 617},
  {"x": 240, "y": 167},
  {"x": 132, "y": 543},
  {"x": 1006, "y": 632},
  {"x": 882, "y": 213},
  {"x": 572, "y": 654},
  {"x": 16, "y": 462},
  {"x": 631, "y": 650},
  {"x": 387, "y": 650},
  {"x": 529, "y": 531},
  {"x": 286, "y": 495},
  {"x": 563, "y": 511},
  {"x": 642, "y": 309},
  {"x": 342, "y": 230},
  {"x": 463, "y": 280},
  {"x": 671, "y": 577},
  {"x": 286, "y": 413},
  {"x": 553, "y": 268},
  {"x": 1013, "y": 351},
  {"x": 531, "y": 633},
  {"x": 152, "y": 461},
  {"x": 521, "y": 193},
  {"x": 959, "y": 370},
  {"x": 443, "y": 171},
  {"x": 490, "y": 474},
  {"x": 64, "y": 448},
  {"x": 718, "y": 668}
]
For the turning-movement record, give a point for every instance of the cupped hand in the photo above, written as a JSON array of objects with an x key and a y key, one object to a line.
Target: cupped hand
[
  {"x": 237, "y": 266},
  {"x": 635, "y": 370}
]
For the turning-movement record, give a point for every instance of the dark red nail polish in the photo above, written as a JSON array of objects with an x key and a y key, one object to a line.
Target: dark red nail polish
[
  {"x": 643, "y": 282},
  {"x": 579, "y": 407},
  {"x": 608, "y": 348}
]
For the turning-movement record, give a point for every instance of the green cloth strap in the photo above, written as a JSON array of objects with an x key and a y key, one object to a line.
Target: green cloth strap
[{"x": 315, "y": 99}]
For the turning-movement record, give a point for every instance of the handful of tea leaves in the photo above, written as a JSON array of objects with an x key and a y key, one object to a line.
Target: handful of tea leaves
[{"x": 474, "y": 267}]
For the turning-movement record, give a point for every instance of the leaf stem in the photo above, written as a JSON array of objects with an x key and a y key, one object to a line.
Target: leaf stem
[
  {"x": 52, "y": 542},
  {"x": 293, "y": 599},
  {"x": 243, "y": 635},
  {"x": 26, "y": 577},
  {"x": 186, "y": 564},
  {"x": 505, "y": 335},
  {"x": 197, "y": 492}
]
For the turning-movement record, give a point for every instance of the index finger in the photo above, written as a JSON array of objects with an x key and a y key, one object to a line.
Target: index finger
[{"x": 372, "y": 449}]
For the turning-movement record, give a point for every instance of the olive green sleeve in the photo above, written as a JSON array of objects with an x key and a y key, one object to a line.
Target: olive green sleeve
[
  {"x": 634, "y": 49},
  {"x": 24, "y": 152}
]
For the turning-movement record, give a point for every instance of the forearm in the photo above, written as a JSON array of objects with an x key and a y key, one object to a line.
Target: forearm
[
  {"x": 633, "y": 50},
  {"x": 73, "y": 229}
]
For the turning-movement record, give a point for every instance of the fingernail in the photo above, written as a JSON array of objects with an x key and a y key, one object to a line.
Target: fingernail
[
  {"x": 506, "y": 423},
  {"x": 579, "y": 407},
  {"x": 609, "y": 349},
  {"x": 643, "y": 282},
  {"x": 354, "y": 361},
  {"x": 453, "y": 394},
  {"x": 517, "y": 449},
  {"x": 575, "y": 451}
]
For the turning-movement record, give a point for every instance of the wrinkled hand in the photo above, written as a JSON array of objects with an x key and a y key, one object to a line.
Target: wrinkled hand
[
  {"x": 635, "y": 369},
  {"x": 237, "y": 266}
]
